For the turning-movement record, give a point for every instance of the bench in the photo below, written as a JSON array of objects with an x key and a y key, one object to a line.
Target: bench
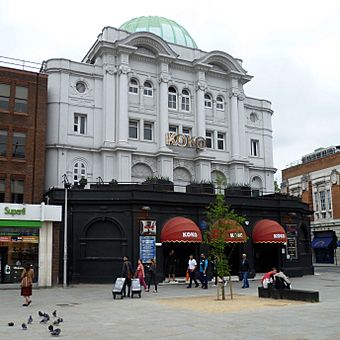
[{"x": 289, "y": 294}]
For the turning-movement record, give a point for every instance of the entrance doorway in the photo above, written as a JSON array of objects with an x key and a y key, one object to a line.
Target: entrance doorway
[
  {"x": 3, "y": 263},
  {"x": 233, "y": 252},
  {"x": 267, "y": 256},
  {"x": 182, "y": 253}
]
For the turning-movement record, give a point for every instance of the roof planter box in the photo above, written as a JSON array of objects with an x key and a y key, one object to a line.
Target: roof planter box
[
  {"x": 235, "y": 190},
  {"x": 159, "y": 184},
  {"x": 200, "y": 188}
]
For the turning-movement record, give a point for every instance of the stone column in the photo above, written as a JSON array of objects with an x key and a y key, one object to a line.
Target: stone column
[
  {"x": 234, "y": 125},
  {"x": 241, "y": 126},
  {"x": 123, "y": 112},
  {"x": 200, "y": 110},
  {"x": 163, "y": 110}
]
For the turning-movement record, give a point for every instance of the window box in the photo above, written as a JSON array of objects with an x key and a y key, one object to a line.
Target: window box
[
  {"x": 200, "y": 188},
  {"x": 159, "y": 184},
  {"x": 237, "y": 190}
]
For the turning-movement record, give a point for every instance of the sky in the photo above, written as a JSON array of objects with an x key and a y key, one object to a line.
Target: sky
[{"x": 292, "y": 48}]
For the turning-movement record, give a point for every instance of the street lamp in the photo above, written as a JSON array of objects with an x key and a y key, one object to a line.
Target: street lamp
[{"x": 67, "y": 186}]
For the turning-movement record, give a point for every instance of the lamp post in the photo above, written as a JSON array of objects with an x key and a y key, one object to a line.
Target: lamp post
[{"x": 67, "y": 185}]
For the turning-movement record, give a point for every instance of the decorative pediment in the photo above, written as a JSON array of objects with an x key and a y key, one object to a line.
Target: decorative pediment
[
  {"x": 223, "y": 61},
  {"x": 150, "y": 42}
]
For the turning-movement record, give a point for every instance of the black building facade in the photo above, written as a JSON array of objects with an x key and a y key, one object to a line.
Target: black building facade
[{"x": 105, "y": 224}]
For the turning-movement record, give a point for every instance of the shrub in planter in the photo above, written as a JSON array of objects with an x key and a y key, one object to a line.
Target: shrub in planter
[
  {"x": 160, "y": 183},
  {"x": 238, "y": 190},
  {"x": 201, "y": 188}
]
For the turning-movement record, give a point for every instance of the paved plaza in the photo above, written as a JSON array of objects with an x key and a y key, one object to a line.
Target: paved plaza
[{"x": 89, "y": 312}]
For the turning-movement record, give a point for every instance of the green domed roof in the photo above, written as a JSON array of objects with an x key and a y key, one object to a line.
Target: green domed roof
[{"x": 167, "y": 29}]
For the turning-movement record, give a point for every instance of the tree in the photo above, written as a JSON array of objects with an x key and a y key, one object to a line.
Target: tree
[{"x": 221, "y": 218}]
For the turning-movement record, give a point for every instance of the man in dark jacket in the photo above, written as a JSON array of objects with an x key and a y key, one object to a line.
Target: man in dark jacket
[
  {"x": 244, "y": 268},
  {"x": 127, "y": 273}
]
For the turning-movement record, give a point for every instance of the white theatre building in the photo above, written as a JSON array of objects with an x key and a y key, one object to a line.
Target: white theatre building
[{"x": 145, "y": 101}]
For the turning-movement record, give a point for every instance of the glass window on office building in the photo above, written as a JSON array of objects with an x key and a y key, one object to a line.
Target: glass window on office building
[
  {"x": 5, "y": 91},
  {"x": 79, "y": 172},
  {"x": 17, "y": 191},
  {"x": 209, "y": 139},
  {"x": 21, "y": 96},
  {"x": 2, "y": 189},
  {"x": 148, "y": 129},
  {"x": 133, "y": 129},
  {"x": 19, "y": 142},
  {"x": 3, "y": 143},
  {"x": 220, "y": 141},
  {"x": 79, "y": 123}
]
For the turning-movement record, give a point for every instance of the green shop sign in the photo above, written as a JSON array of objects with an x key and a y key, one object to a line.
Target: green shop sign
[{"x": 13, "y": 212}]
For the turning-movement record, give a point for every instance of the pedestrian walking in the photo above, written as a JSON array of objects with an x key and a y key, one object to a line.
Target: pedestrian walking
[
  {"x": 192, "y": 267},
  {"x": 203, "y": 271},
  {"x": 140, "y": 273},
  {"x": 127, "y": 273},
  {"x": 152, "y": 269},
  {"x": 27, "y": 276},
  {"x": 244, "y": 268}
]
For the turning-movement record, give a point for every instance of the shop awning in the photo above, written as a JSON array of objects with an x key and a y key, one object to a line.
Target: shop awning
[
  {"x": 321, "y": 242},
  {"x": 338, "y": 244},
  {"x": 232, "y": 231},
  {"x": 269, "y": 231},
  {"x": 181, "y": 229}
]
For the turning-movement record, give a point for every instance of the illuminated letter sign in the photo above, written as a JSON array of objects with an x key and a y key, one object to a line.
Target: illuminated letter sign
[{"x": 181, "y": 140}]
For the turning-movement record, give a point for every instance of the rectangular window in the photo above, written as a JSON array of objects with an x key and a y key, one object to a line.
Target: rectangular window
[
  {"x": 2, "y": 189},
  {"x": 329, "y": 200},
  {"x": 316, "y": 201},
  {"x": 322, "y": 200},
  {"x": 21, "y": 96},
  {"x": 209, "y": 139},
  {"x": 17, "y": 191},
  {"x": 133, "y": 129},
  {"x": 3, "y": 143},
  {"x": 186, "y": 131},
  {"x": 148, "y": 129},
  {"x": 173, "y": 128},
  {"x": 185, "y": 105},
  {"x": 220, "y": 141},
  {"x": 5, "y": 91},
  {"x": 254, "y": 145},
  {"x": 172, "y": 101},
  {"x": 79, "y": 124},
  {"x": 19, "y": 142}
]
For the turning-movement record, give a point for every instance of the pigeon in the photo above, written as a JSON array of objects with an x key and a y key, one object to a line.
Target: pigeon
[
  {"x": 23, "y": 326},
  {"x": 30, "y": 320},
  {"x": 41, "y": 313},
  {"x": 56, "y": 323},
  {"x": 11, "y": 324},
  {"x": 56, "y": 332},
  {"x": 54, "y": 313},
  {"x": 45, "y": 319},
  {"x": 50, "y": 328}
]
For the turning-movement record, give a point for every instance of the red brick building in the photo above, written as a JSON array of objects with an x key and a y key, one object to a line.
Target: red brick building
[
  {"x": 316, "y": 179},
  {"x": 23, "y": 97}
]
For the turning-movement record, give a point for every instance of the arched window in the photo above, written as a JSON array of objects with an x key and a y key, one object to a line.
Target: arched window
[
  {"x": 79, "y": 172},
  {"x": 253, "y": 117},
  {"x": 148, "y": 90},
  {"x": 185, "y": 106},
  {"x": 172, "y": 98},
  {"x": 133, "y": 86},
  {"x": 207, "y": 101},
  {"x": 219, "y": 103}
]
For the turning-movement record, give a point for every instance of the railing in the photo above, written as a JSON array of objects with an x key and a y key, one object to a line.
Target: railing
[{"x": 21, "y": 64}]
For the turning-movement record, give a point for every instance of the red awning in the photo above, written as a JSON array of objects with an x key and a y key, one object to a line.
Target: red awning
[
  {"x": 269, "y": 231},
  {"x": 181, "y": 229},
  {"x": 233, "y": 232}
]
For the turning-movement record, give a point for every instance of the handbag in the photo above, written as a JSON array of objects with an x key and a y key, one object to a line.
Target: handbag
[{"x": 187, "y": 276}]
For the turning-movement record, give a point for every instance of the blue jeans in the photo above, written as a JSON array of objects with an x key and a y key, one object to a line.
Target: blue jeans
[{"x": 245, "y": 280}]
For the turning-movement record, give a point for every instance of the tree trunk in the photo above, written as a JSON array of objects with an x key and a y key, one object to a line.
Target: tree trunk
[{"x": 231, "y": 288}]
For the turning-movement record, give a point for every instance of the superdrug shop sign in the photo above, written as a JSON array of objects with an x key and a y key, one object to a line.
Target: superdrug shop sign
[{"x": 185, "y": 141}]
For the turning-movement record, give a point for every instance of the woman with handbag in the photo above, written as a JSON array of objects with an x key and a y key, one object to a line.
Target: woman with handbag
[{"x": 26, "y": 284}]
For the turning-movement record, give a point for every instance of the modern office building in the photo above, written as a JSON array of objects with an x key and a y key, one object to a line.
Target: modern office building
[
  {"x": 316, "y": 180},
  {"x": 145, "y": 101}
]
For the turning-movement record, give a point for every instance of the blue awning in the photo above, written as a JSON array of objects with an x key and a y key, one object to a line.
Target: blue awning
[
  {"x": 338, "y": 244},
  {"x": 321, "y": 242}
]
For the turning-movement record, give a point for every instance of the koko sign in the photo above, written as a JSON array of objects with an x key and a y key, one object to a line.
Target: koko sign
[{"x": 174, "y": 139}]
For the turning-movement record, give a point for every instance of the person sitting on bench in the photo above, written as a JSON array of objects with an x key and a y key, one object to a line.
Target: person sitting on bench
[
  {"x": 281, "y": 281},
  {"x": 268, "y": 278}
]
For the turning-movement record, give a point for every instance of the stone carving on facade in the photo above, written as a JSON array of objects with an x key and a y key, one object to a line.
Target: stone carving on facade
[
  {"x": 334, "y": 177},
  {"x": 233, "y": 92},
  {"x": 179, "y": 163},
  {"x": 304, "y": 182},
  {"x": 124, "y": 69},
  {"x": 201, "y": 85},
  {"x": 150, "y": 162},
  {"x": 88, "y": 91},
  {"x": 110, "y": 69},
  {"x": 141, "y": 170},
  {"x": 164, "y": 78},
  {"x": 241, "y": 96}
]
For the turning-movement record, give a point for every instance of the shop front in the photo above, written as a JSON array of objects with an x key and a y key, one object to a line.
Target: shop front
[
  {"x": 324, "y": 245},
  {"x": 269, "y": 239},
  {"x": 26, "y": 238},
  {"x": 183, "y": 236}
]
